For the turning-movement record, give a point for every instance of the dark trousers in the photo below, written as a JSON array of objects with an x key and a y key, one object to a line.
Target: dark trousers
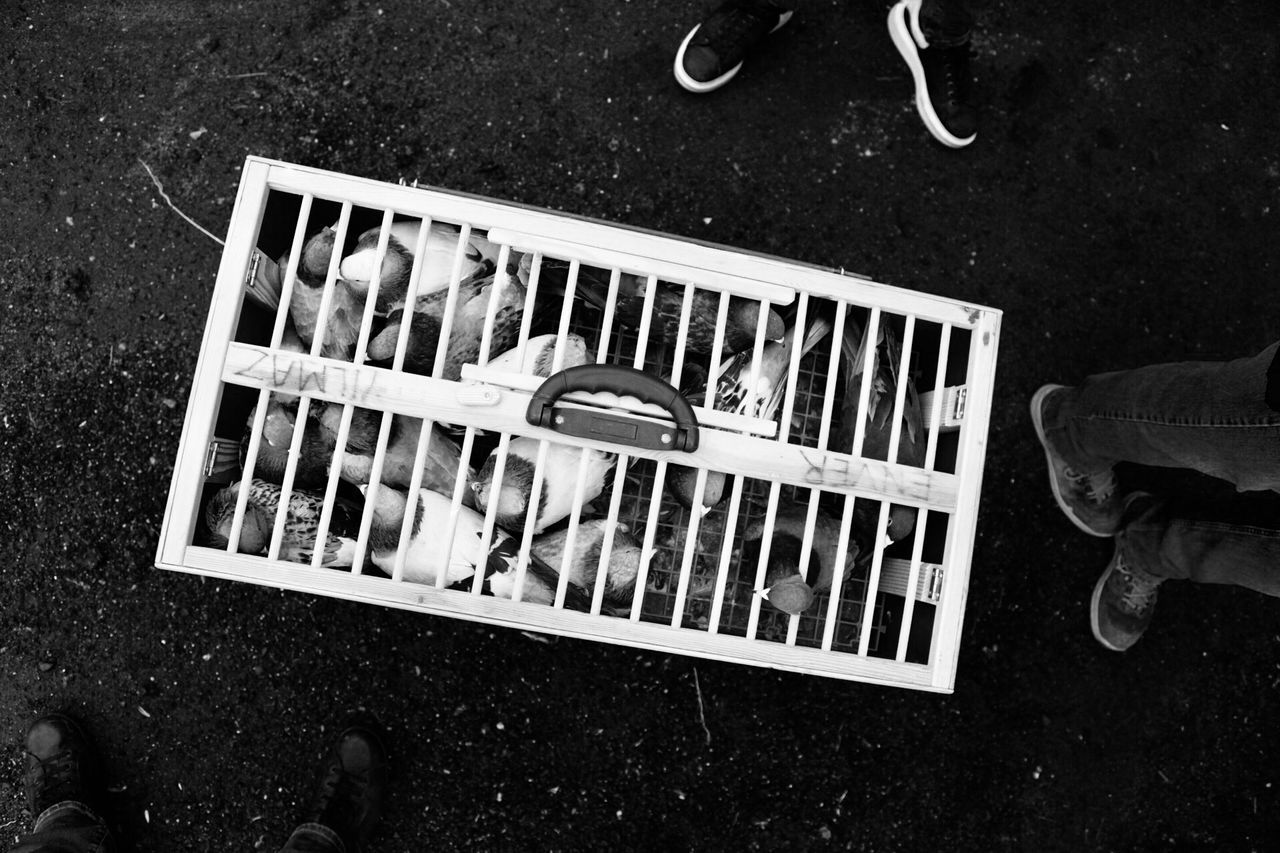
[
  {"x": 1208, "y": 447},
  {"x": 72, "y": 827},
  {"x": 68, "y": 827}
]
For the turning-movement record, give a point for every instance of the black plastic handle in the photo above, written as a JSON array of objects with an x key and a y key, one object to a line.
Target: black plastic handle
[{"x": 606, "y": 426}]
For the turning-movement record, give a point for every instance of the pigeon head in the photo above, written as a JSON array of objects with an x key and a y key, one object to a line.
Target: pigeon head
[
  {"x": 276, "y": 439},
  {"x": 902, "y": 520},
  {"x": 420, "y": 352},
  {"x": 388, "y": 503},
  {"x": 784, "y": 587},
  {"x": 358, "y": 267},
  {"x": 791, "y": 595},
  {"x": 313, "y": 267},
  {"x": 512, "y": 499},
  {"x": 255, "y": 529}
]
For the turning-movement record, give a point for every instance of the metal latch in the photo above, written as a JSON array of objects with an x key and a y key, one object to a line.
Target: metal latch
[
  {"x": 222, "y": 460},
  {"x": 262, "y": 281},
  {"x": 951, "y": 412}
]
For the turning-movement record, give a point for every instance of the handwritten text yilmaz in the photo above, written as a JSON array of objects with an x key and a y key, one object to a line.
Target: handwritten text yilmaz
[{"x": 284, "y": 372}]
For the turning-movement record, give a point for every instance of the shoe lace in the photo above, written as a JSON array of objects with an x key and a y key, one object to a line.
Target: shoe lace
[
  {"x": 955, "y": 69},
  {"x": 1098, "y": 486},
  {"x": 340, "y": 795},
  {"x": 57, "y": 777},
  {"x": 1139, "y": 592}
]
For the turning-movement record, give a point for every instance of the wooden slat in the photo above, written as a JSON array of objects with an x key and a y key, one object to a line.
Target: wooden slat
[
  {"x": 423, "y": 397},
  {"x": 658, "y": 637},
  {"x": 676, "y": 273},
  {"x": 541, "y": 223},
  {"x": 958, "y": 550},
  {"x": 206, "y": 389}
]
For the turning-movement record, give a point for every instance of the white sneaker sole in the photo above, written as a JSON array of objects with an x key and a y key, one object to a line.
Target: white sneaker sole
[
  {"x": 698, "y": 86},
  {"x": 900, "y": 32},
  {"x": 1037, "y": 404}
]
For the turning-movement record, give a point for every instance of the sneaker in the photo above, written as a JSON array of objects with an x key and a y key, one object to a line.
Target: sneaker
[
  {"x": 353, "y": 779},
  {"x": 1124, "y": 600},
  {"x": 942, "y": 78},
  {"x": 62, "y": 764},
  {"x": 1089, "y": 498},
  {"x": 712, "y": 53}
]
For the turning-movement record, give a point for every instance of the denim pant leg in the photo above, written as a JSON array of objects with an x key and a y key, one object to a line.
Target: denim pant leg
[
  {"x": 1209, "y": 417},
  {"x": 946, "y": 23},
  {"x": 67, "y": 827},
  {"x": 1210, "y": 420},
  {"x": 314, "y": 838},
  {"x": 1205, "y": 531}
]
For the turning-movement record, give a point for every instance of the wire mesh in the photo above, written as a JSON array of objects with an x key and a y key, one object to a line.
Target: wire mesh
[{"x": 719, "y": 593}]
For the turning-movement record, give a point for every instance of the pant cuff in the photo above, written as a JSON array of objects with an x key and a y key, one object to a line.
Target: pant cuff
[
  {"x": 316, "y": 831},
  {"x": 57, "y": 810}
]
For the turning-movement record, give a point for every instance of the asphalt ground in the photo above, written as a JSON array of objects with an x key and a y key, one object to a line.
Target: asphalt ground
[{"x": 1119, "y": 206}]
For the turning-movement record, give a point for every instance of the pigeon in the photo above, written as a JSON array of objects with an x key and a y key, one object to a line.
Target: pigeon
[
  {"x": 675, "y": 533},
  {"x": 314, "y": 455},
  {"x": 540, "y": 353},
  {"x": 465, "y": 334},
  {"x": 588, "y": 542},
  {"x": 425, "y": 558},
  {"x": 741, "y": 320},
  {"x": 682, "y": 483},
  {"x": 559, "y": 481},
  {"x": 298, "y": 540},
  {"x": 479, "y": 258},
  {"x": 784, "y": 587},
  {"x": 592, "y": 285},
  {"x": 681, "y": 480},
  {"x": 346, "y": 308},
  {"x": 886, "y": 362},
  {"x": 735, "y": 393},
  {"x": 440, "y": 469}
]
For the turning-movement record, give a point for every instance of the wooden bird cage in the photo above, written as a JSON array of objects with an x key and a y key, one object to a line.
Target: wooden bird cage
[{"x": 646, "y": 311}]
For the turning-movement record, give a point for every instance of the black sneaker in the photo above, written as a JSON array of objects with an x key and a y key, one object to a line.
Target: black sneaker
[
  {"x": 62, "y": 764},
  {"x": 942, "y": 77},
  {"x": 353, "y": 779},
  {"x": 713, "y": 51}
]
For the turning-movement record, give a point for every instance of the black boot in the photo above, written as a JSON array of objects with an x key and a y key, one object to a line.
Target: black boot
[
  {"x": 62, "y": 764},
  {"x": 353, "y": 780}
]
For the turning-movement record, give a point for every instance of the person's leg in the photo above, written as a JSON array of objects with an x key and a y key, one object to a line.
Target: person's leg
[
  {"x": 933, "y": 38},
  {"x": 1209, "y": 533},
  {"x": 314, "y": 838},
  {"x": 1209, "y": 417},
  {"x": 1201, "y": 529},
  {"x": 348, "y": 800},
  {"x": 68, "y": 827},
  {"x": 1205, "y": 416},
  {"x": 62, "y": 780}
]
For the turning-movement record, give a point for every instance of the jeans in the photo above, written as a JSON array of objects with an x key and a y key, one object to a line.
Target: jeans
[
  {"x": 68, "y": 827},
  {"x": 1214, "y": 516},
  {"x": 314, "y": 838}
]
